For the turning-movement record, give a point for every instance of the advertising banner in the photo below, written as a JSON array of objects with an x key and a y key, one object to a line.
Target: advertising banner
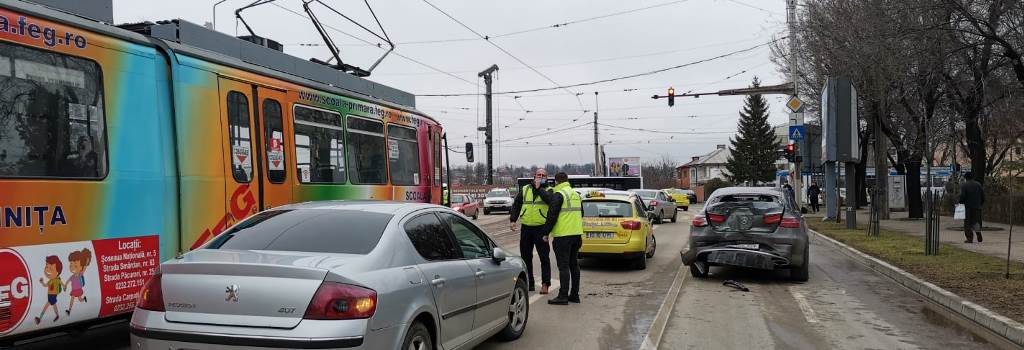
[
  {"x": 48, "y": 285},
  {"x": 624, "y": 167}
]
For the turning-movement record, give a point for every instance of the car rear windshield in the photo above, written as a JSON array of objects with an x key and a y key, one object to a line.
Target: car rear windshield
[
  {"x": 607, "y": 209},
  {"x": 647, "y": 194},
  {"x": 459, "y": 198},
  {"x": 306, "y": 230},
  {"x": 497, "y": 194},
  {"x": 744, "y": 212}
]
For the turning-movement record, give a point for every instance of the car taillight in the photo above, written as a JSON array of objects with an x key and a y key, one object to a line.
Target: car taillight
[
  {"x": 336, "y": 301},
  {"x": 654, "y": 203},
  {"x": 151, "y": 296},
  {"x": 699, "y": 221},
  {"x": 770, "y": 219},
  {"x": 716, "y": 218},
  {"x": 630, "y": 225},
  {"x": 790, "y": 223}
]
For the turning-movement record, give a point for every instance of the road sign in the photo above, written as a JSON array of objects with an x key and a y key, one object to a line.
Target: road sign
[
  {"x": 797, "y": 132},
  {"x": 795, "y": 104}
]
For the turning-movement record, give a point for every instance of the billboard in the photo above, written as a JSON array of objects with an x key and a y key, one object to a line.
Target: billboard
[{"x": 624, "y": 167}]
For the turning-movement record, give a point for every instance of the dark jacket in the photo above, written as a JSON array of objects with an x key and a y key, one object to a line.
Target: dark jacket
[
  {"x": 972, "y": 195},
  {"x": 813, "y": 191}
]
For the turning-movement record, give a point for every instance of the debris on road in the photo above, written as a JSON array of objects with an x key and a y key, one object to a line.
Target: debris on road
[{"x": 734, "y": 284}]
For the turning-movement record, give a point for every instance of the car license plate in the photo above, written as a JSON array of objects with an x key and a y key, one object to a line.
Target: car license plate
[
  {"x": 600, "y": 235},
  {"x": 754, "y": 246}
]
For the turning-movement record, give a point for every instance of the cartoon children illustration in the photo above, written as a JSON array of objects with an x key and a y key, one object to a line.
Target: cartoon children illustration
[
  {"x": 53, "y": 285},
  {"x": 77, "y": 262}
]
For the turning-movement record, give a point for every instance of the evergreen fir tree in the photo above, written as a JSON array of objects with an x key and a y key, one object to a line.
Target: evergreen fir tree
[{"x": 755, "y": 148}]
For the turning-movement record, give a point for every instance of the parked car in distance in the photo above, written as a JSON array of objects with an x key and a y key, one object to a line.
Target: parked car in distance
[
  {"x": 498, "y": 199},
  {"x": 755, "y": 227},
  {"x": 659, "y": 203},
  {"x": 680, "y": 197},
  {"x": 337, "y": 274},
  {"x": 616, "y": 224},
  {"x": 466, "y": 204}
]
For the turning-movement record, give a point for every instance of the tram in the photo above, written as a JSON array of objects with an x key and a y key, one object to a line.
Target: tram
[{"x": 122, "y": 146}]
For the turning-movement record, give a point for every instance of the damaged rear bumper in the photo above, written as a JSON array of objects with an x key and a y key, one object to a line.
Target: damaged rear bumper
[{"x": 747, "y": 253}]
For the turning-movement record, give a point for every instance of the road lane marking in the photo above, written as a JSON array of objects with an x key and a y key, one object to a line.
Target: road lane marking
[{"x": 805, "y": 307}]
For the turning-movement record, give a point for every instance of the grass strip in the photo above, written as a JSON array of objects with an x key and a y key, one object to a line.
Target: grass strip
[{"x": 976, "y": 277}]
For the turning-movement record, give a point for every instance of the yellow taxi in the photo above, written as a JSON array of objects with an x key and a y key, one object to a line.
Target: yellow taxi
[
  {"x": 616, "y": 224},
  {"x": 681, "y": 198}
]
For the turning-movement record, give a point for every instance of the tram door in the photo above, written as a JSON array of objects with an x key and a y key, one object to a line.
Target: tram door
[{"x": 254, "y": 148}]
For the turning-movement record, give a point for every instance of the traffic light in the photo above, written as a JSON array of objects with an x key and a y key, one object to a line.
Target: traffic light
[
  {"x": 790, "y": 152},
  {"x": 671, "y": 96},
  {"x": 469, "y": 152}
]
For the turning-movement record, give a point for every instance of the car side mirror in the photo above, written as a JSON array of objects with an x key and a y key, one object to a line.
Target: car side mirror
[{"x": 498, "y": 255}]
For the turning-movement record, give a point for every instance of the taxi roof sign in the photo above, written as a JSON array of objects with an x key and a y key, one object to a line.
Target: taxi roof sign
[{"x": 795, "y": 104}]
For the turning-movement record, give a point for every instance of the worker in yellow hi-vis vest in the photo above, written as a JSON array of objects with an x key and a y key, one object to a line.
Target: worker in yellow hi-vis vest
[
  {"x": 530, "y": 209},
  {"x": 565, "y": 217}
]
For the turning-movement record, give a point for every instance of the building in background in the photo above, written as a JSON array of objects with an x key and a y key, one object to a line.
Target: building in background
[{"x": 700, "y": 169}]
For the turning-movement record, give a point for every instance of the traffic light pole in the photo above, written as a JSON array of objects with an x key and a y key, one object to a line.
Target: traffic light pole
[
  {"x": 489, "y": 129},
  {"x": 795, "y": 120}
]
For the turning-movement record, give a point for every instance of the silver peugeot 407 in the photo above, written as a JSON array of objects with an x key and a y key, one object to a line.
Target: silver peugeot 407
[{"x": 344, "y": 274}]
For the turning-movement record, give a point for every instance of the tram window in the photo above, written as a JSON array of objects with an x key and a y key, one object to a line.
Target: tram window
[
  {"x": 367, "y": 153},
  {"x": 437, "y": 160},
  {"x": 239, "y": 137},
  {"x": 319, "y": 146},
  {"x": 403, "y": 155},
  {"x": 51, "y": 115},
  {"x": 274, "y": 141}
]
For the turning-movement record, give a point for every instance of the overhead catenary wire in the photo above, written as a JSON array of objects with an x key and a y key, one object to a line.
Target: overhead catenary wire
[
  {"x": 629, "y": 76},
  {"x": 410, "y": 59},
  {"x": 509, "y": 54},
  {"x": 525, "y": 31}
]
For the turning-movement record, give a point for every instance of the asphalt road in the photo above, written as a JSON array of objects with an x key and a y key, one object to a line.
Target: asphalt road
[
  {"x": 843, "y": 306},
  {"x": 617, "y": 305}
]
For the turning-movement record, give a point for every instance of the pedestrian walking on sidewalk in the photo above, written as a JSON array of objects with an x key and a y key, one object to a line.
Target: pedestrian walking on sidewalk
[
  {"x": 530, "y": 208},
  {"x": 972, "y": 196},
  {"x": 565, "y": 217},
  {"x": 812, "y": 195}
]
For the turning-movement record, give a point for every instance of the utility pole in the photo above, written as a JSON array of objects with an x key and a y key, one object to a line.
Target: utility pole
[
  {"x": 797, "y": 116},
  {"x": 489, "y": 129},
  {"x": 598, "y": 169}
]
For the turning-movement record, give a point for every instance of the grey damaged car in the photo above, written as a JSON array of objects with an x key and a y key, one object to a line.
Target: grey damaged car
[
  {"x": 753, "y": 227},
  {"x": 344, "y": 274}
]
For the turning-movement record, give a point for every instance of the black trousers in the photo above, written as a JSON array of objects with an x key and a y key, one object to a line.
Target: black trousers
[
  {"x": 972, "y": 223},
  {"x": 567, "y": 254},
  {"x": 814, "y": 203},
  {"x": 532, "y": 237}
]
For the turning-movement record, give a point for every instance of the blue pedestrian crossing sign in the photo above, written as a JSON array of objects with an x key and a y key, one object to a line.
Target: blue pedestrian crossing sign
[{"x": 796, "y": 132}]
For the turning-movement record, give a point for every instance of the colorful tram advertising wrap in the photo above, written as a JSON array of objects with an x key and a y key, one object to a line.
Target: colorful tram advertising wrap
[{"x": 118, "y": 151}]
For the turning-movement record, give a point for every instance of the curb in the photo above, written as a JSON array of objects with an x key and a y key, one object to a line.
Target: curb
[
  {"x": 1000, "y": 325},
  {"x": 653, "y": 338}
]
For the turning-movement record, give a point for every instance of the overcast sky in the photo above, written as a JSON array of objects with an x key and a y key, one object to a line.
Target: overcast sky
[{"x": 677, "y": 33}]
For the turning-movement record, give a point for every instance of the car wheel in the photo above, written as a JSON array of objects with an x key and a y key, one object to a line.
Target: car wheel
[
  {"x": 686, "y": 208},
  {"x": 654, "y": 247},
  {"x": 487, "y": 212},
  {"x": 519, "y": 313},
  {"x": 640, "y": 262},
  {"x": 418, "y": 338},
  {"x": 476, "y": 214},
  {"x": 802, "y": 273},
  {"x": 658, "y": 218},
  {"x": 699, "y": 269},
  {"x": 674, "y": 215}
]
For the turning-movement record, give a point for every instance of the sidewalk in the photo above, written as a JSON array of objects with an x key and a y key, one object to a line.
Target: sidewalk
[{"x": 951, "y": 232}]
